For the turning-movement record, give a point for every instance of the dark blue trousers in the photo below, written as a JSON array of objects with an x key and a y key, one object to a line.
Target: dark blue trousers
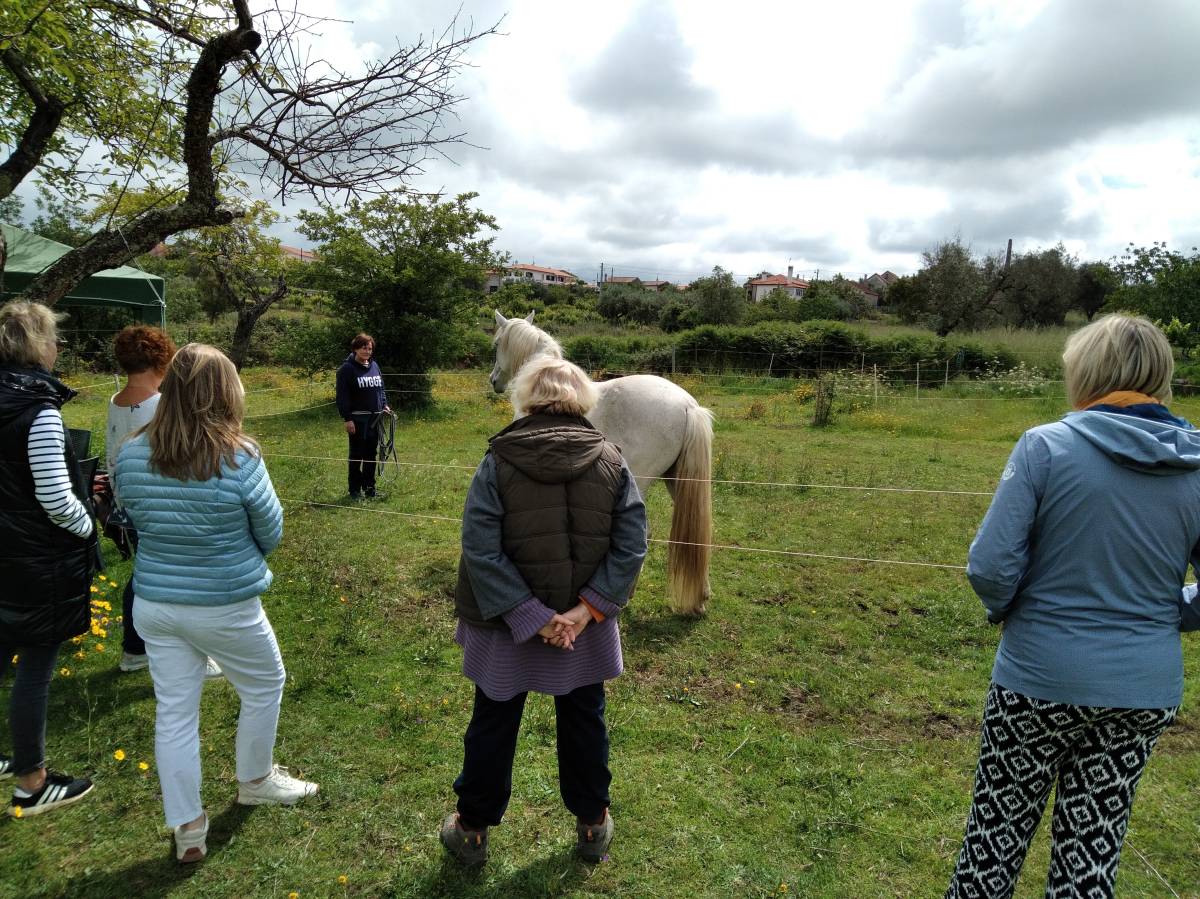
[
  {"x": 485, "y": 784},
  {"x": 27, "y": 705}
]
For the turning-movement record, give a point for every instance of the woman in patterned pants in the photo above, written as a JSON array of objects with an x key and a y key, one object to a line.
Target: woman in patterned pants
[{"x": 1081, "y": 560}]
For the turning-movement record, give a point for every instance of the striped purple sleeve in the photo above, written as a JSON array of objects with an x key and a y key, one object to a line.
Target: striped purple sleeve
[
  {"x": 527, "y": 619},
  {"x": 600, "y": 603}
]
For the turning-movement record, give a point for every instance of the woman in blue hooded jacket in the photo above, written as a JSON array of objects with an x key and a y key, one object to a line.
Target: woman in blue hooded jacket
[{"x": 1081, "y": 559}]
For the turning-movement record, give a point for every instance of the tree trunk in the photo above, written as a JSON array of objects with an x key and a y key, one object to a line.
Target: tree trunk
[{"x": 248, "y": 317}]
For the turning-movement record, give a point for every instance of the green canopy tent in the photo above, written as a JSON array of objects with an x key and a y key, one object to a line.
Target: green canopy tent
[{"x": 29, "y": 255}]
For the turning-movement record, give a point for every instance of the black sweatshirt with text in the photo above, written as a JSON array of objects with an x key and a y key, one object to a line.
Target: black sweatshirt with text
[{"x": 359, "y": 389}]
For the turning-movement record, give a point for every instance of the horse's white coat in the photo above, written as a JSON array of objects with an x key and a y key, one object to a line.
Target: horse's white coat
[
  {"x": 645, "y": 415},
  {"x": 661, "y": 430}
]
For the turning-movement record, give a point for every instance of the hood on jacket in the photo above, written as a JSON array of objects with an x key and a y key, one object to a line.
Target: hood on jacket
[
  {"x": 551, "y": 449},
  {"x": 1146, "y": 444},
  {"x": 21, "y": 388}
]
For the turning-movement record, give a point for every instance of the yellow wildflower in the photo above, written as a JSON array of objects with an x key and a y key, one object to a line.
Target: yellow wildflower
[
  {"x": 99, "y": 647},
  {"x": 65, "y": 672},
  {"x": 119, "y": 755},
  {"x": 343, "y": 879},
  {"x": 142, "y": 766},
  {"x": 293, "y": 895},
  {"x": 81, "y": 655},
  {"x": 77, "y": 640},
  {"x": 95, "y": 589},
  {"x": 737, "y": 686},
  {"x": 14, "y": 659},
  {"x": 342, "y": 599}
]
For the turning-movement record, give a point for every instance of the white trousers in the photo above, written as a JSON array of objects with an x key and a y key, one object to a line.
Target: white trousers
[{"x": 178, "y": 639}]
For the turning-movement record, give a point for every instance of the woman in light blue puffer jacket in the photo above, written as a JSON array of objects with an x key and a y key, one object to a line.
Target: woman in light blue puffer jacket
[{"x": 200, "y": 497}]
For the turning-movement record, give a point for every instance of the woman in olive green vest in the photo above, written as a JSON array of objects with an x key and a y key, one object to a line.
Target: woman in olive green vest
[{"x": 554, "y": 534}]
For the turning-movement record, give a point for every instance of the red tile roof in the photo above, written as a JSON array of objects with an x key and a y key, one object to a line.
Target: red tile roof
[
  {"x": 297, "y": 253},
  {"x": 524, "y": 267},
  {"x": 778, "y": 281}
]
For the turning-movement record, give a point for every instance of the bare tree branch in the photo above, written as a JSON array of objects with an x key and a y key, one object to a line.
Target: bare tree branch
[{"x": 254, "y": 99}]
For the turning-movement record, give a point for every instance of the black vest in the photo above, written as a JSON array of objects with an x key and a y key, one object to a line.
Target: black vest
[
  {"x": 45, "y": 570},
  {"x": 558, "y": 480}
]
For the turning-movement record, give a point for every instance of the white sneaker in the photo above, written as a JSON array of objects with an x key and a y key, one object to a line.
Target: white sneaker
[
  {"x": 190, "y": 845},
  {"x": 133, "y": 662},
  {"x": 212, "y": 670},
  {"x": 277, "y": 788}
]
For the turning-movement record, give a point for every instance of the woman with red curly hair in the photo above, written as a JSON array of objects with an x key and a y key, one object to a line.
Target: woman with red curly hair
[{"x": 142, "y": 353}]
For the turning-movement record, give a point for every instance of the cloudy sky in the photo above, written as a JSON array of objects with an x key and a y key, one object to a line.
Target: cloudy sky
[{"x": 663, "y": 138}]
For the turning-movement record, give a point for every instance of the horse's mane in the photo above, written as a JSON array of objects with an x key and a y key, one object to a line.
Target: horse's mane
[{"x": 523, "y": 340}]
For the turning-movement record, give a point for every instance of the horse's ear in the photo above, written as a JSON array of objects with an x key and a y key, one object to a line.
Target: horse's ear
[
  {"x": 501, "y": 321},
  {"x": 529, "y": 318}
]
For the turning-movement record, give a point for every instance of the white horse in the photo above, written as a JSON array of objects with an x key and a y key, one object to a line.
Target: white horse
[{"x": 662, "y": 432}]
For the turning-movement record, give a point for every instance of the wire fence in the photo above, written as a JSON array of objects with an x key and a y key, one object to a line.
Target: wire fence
[{"x": 730, "y": 547}]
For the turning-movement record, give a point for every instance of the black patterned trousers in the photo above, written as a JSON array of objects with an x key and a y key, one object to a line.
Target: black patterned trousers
[{"x": 1095, "y": 756}]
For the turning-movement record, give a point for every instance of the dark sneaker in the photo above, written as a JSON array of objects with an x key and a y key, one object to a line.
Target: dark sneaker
[
  {"x": 58, "y": 789},
  {"x": 5, "y": 767},
  {"x": 468, "y": 847},
  {"x": 374, "y": 494},
  {"x": 594, "y": 839}
]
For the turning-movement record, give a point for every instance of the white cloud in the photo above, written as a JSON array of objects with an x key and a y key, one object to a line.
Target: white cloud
[{"x": 672, "y": 137}]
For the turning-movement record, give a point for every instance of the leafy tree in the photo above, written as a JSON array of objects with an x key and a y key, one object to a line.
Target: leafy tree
[
  {"x": 11, "y": 209},
  {"x": 630, "y": 304},
  {"x": 245, "y": 270},
  {"x": 717, "y": 299},
  {"x": 837, "y": 298},
  {"x": 165, "y": 86},
  {"x": 1159, "y": 283},
  {"x": 954, "y": 291},
  {"x": 1096, "y": 283},
  {"x": 62, "y": 219},
  {"x": 1039, "y": 288},
  {"x": 410, "y": 271}
]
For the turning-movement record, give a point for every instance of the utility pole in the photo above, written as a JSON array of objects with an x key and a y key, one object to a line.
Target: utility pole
[
  {"x": 1008, "y": 254},
  {"x": 600, "y": 286}
]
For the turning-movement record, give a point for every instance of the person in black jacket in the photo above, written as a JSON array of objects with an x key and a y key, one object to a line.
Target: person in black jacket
[
  {"x": 48, "y": 548},
  {"x": 360, "y": 400}
]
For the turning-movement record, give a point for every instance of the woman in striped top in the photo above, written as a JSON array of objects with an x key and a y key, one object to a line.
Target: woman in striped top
[{"x": 48, "y": 549}]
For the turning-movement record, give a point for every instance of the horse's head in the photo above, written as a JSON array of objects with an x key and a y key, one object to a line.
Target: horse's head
[{"x": 516, "y": 340}]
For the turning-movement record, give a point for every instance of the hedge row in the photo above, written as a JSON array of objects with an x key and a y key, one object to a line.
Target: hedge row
[{"x": 788, "y": 349}]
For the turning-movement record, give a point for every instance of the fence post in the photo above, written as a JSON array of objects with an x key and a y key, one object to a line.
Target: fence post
[
  {"x": 946, "y": 382},
  {"x": 875, "y": 370},
  {"x": 918, "y": 379},
  {"x": 863, "y": 365},
  {"x": 770, "y": 364}
]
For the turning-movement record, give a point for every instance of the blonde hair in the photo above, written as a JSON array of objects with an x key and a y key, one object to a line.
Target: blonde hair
[
  {"x": 27, "y": 333},
  {"x": 1117, "y": 352},
  {"x": 198, "y": 423},
  {"x": 553, "y": 386}
]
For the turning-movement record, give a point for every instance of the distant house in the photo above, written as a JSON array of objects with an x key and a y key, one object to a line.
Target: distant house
[
  {"x": 296, "y": 253},
  {"x": 656, "y": 285},
  {"x": 758, "y": 288},
  {"x": 870, "y": 297},
  {"x": 878, "y": 283},
  {"x": 529, "y": 274},
  {"x": 622, "y": 279}
]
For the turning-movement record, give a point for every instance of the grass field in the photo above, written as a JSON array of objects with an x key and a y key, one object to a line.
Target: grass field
[{"x": 814, "y": 735}]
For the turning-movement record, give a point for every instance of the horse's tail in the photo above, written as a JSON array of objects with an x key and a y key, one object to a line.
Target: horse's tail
[{"x": 691, "y": 522}]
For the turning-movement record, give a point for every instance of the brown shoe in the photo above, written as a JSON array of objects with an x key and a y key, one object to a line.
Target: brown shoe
[
  {"x": 468, "y": 847},
  {"x": 594, "y": 839}
]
